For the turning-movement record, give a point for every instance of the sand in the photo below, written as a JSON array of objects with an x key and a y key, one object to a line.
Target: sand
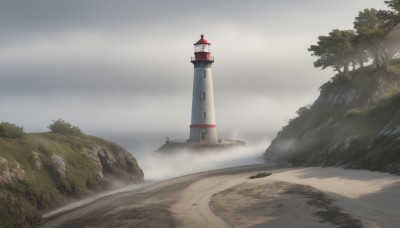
[
  {"x": 301, "y": 197},
  {"x": 372, "y": 197}
]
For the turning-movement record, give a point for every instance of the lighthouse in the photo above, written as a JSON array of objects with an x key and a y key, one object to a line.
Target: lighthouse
[{"x": 203, "y": 127}]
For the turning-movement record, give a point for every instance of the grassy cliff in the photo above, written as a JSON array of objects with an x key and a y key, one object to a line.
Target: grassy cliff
[
  {"x": 39, "y": 171},
  {"x": 354, "y": 123}
]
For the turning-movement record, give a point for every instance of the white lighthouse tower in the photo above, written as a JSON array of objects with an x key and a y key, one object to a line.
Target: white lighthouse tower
[{"x": 203, "y": 128}]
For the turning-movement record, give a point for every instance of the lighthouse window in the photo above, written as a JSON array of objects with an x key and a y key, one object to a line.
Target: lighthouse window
[
  {"x": 202, "y": 135},
  {"x": 204, "y": 115},
  {"x": 203, "y": 74},
  {"x": 202, "y": 48},
  {"x": 203, "y": 95}
]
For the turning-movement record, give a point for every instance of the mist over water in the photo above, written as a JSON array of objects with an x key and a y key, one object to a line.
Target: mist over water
[{"x": 158, "y": 167}]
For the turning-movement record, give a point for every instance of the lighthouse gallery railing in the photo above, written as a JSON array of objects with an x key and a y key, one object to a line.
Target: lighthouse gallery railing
[{"x": 211, "y": 58}]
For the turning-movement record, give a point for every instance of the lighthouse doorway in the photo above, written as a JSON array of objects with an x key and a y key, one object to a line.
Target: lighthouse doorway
[{"x": 202, "y": 135}]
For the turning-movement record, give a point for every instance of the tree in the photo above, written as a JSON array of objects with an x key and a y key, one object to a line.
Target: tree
[
  {"x": 9, "y": 130},
  {"x": 62, "y": 127},
  {"x": 376, "y": 36},
  {"x": 335, "y": 50},
  {"x": 391, "y": 17},
  {"x": 373, "y": 37},
  {"x": 359, "y": 53},
  {"x": 391, "y": 25}
]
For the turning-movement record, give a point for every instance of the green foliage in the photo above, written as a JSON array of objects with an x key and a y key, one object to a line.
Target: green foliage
[
  {"x": 368, "y": 21},
  {"x": 356, "y": 112},
  {"x": 62, "y": 127},
  {"x": 394, "y": 5},
  {"x": 22, "y": 201},
  {"x": 260, "y": 175},
  {"x": 374, "y": 37},
  {"x": 9, "y": 130},
  {"x": 391, "y": 17},
  {"x": 15, "y": 212},
  {"x": 335, "y": 50},
  {"x": 303, "y": 110}
]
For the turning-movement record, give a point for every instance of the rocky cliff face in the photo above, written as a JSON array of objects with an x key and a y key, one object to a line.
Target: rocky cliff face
[
  {"x": 354, "y": 123},
  {"x": 41, "y": 171}
]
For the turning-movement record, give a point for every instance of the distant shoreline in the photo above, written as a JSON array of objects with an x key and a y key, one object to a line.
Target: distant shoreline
[{"x": 326, "y": 197}]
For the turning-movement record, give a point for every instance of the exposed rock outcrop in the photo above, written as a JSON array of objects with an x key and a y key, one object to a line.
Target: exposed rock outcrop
[
  {"x": 40, "y": 171},
  {"x": 36, "y": 161}
]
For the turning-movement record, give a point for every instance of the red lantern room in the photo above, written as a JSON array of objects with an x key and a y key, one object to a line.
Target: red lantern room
[{"x": 202, "y": 50}]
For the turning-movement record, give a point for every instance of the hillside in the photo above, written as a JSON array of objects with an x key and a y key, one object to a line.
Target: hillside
[
  {"x": 40, "y": 171},
  {"x": 354, "y": 123}
]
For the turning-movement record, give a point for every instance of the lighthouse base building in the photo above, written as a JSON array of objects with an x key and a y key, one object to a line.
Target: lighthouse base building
[{"x": 203, "y": 127}]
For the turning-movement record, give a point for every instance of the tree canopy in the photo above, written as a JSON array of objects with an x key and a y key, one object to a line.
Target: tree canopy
[
  {"x": 373, "y": 38},
  {"x": 334, "y": 50},
  {"x": 391, "y": 17}
]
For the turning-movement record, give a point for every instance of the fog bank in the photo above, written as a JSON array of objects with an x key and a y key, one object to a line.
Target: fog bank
[{"x": 164, "y": 166}]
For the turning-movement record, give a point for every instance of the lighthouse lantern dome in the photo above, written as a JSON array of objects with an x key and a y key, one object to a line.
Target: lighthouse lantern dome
[{"x": 202, "y": 45}]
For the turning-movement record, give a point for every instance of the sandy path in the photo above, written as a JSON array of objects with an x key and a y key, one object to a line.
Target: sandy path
[
  {"x": 193, "y": 209},
  {"x": 370, "y": 197},
  {"x": 279, "y": 204},
  {"x": 146, "y": 207}
]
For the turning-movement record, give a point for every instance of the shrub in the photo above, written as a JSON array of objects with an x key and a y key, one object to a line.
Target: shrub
[
  {"x": 260, "y": 175},
  {"x": 9, "y": 130},
  {"x": 62, "y": 127},
  {"x": 303, "y": 110}
]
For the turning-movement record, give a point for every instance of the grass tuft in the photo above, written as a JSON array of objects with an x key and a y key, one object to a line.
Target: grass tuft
[{"x": 260, "y": 175}]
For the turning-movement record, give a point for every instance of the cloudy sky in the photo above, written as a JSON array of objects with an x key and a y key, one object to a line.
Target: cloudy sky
[{"x": 121, "y": 69}]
